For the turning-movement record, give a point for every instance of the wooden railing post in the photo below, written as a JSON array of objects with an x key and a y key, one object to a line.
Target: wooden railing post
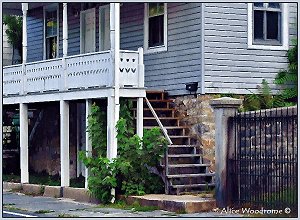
[
  {"x": 141, "y": 69},
  {"x": 224, "y": 108}
]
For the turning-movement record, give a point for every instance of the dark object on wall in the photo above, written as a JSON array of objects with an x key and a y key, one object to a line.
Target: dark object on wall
[{"x": 192, "y": 88}]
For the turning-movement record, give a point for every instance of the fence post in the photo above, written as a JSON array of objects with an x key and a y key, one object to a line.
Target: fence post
[{"x": 224, "y": 108}]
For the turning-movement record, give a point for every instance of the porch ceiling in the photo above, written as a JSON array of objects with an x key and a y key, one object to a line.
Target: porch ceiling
[{"x": 15, "y": 8}]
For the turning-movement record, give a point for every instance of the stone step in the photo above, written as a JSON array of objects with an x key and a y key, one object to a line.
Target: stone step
[
  {"x": 184, "y": 149},
  {"x": 166, "y": 121},
  {"x": 173, "y": 130},
  {"x": 191, "y": 175},
  {"x": 184, "y": 155},
  {"x": 161, "y": 112},
  {"x": 185, "y": 159},
  {"x": 193, "y": 185},
  {"x": 188, "y": 165},
  {"x": 155, "y": 94},
  {"x": 175, "y": 203},
  {"x": 166, "y": 103},
  {"x": 187, "y": 168}
]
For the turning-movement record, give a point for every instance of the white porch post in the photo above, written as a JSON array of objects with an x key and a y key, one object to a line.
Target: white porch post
[
  {"x": 88, "y": 144},
  {"x": 64, "y": 143},
  {"x": 140, "y": 106},
  {"x": 24, "y": 45},
  {"x": 113, "y": 106},
  {"x": 65, "y": 29},
  {"x": 24, "y": 143},
  {"x": 139, "y": 118},
  {"x": 63, "y": 84},
  {"x": 24, "y": 36}
]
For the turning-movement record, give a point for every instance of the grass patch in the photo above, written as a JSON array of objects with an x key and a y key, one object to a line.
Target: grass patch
[
  {"x": 135, "y": 207},
  {"x": 288, "y": 196},
  {"x": 43, "y": 211},
  {"x": 65, "y": 215},
  {"x": 8, "y": 204},
  {"x": 170, "y": 214},
  {"x": 11, "y": 178},
  {"x": 15, "y": 190},
  {"x": 13, "y": 208},
  {"x": 178, "y": 212}
]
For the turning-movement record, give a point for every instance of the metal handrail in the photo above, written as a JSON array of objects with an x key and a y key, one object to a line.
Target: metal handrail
[{"x": 164, "y": 130}]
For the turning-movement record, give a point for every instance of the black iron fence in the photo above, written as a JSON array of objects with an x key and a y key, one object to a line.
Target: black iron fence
[{"x": 264, "y": 164}]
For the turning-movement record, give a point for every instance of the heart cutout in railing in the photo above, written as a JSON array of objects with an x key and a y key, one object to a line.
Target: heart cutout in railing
[
  {"x": 133, "y": 70},
  {"x": 121, "y": 70},
  {"x": 127, "y": 70}
]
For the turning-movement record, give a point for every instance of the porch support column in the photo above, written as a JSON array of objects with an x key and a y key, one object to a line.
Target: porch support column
[
  {"x": 88, "y": 144},
  {"x": 24, "y": 143},
  {"x": 139, "y": 118},
  {"x": 65, "y": 29},
  {"x": 24, "y": 36},
  {"x": 64, "y": 143},
  {"x": 114, "y": 101},
  {"x": 24, "y": 46}
]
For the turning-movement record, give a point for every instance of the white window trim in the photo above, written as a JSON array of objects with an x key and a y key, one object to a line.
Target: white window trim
[
  {"x": 81, "y": 43},
  {"x": 284, "y": 30},
  {"x": 45, "y": 8},
  {"x": 146, "y": 31}
]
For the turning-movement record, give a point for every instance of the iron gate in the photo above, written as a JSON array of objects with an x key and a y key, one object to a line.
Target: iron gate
[{"x": 264, "y": 164}]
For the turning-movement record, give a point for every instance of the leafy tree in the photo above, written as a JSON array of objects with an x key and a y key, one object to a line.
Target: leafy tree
[
  {"x": 14, "y": 32},
  {"x": 288, "y": 78}
]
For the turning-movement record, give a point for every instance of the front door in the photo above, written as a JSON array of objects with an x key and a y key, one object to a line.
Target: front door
[
  {"x": 87, "y": 31},
  {"x": 104, "y": 29}
]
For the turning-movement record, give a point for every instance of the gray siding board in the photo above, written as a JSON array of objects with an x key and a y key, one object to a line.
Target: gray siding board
[
  {"x": 35, "y": 31},
  {"x": 168, "y": 70},
  {"x": 230, "y": 66}
]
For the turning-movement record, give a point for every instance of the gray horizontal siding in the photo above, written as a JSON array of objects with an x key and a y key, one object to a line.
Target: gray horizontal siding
[
  {"x": 168, "y": 70},
  {"x": 230, "y": 67},
  {"x": 35, "y": 31}
]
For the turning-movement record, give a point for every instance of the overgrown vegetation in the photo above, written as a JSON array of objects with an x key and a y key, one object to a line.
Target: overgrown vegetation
[
  {"x": 288, "y": 79},
  {"x": 45, "y": 179},
  {"x": 263, "y": 100},
  {"x": 14, "y": 32},
  {"x": 136, "y": 169}
]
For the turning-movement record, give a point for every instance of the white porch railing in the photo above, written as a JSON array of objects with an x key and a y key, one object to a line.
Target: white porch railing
[{"x": 74, "y": 72}]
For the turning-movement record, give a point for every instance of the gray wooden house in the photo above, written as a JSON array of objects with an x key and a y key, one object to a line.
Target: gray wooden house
[{"x": 76, "y": 52}]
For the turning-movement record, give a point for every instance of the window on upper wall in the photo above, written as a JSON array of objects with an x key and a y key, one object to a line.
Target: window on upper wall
[
  {"x": 155, "y": 27},
  {"x": 267, "y": 25},
  {"x": 51, "y": 32}
]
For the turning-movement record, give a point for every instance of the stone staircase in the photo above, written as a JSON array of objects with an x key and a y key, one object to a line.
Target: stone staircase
[{"x": 183, "y": 165}]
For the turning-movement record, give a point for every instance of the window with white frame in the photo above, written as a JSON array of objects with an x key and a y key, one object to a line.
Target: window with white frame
[
  {"x": 51, "y": 31},
  {"x": 267, "y": 25},
  {"x": 155, "y": 29}
]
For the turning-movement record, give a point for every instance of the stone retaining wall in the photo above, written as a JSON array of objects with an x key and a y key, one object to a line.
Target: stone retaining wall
[{"x": 198, "y": 114}]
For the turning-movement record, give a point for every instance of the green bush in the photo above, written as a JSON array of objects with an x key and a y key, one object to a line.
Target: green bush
[
  {"x": 288, "y": 78},
  {"x": 131, "y": 173}
]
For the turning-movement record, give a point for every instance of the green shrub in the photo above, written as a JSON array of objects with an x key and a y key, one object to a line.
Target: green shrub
[
  {"x": 131, "y": 173},
  {"x": 288, "y": 78}
]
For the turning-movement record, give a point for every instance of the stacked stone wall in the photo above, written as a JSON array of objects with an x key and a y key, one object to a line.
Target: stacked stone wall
[{"x": 197, "y": 113}]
